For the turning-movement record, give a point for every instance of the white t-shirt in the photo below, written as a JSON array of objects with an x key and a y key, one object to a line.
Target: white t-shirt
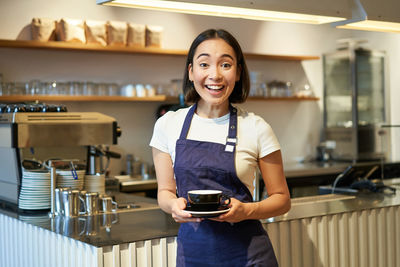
[{"x": 255, "y": 138}]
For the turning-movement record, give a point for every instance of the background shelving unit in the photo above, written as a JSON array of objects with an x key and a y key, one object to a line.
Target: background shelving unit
[
  {"x": 63, "y": 46},
  {"x": 125, "y": 49},
  {"x": 157, "y": 98}
]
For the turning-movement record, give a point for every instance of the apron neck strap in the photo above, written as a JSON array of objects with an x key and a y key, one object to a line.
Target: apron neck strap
[
  {"x": 232, "y": 133},
  {"x": 188, "y": 120},
  {"x": 231, "y": 140}
]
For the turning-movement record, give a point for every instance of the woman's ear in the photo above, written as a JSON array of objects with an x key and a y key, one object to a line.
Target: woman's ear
[{"x": 190, "y": 71}]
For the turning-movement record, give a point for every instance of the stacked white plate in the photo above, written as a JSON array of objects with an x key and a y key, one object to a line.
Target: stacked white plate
[
  {"x": 41, "y": 220},
  {"x": 95, "y": 183},
  {"x": 66, "y": 179},
  {"x": 35, "y": 190}
]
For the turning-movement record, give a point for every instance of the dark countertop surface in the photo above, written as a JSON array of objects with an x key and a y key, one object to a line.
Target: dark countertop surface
[
  {"x": 151, "y": 222},
  {"x": 314, "y": 168},
  {"x": 320, "y": 168},
  {"x": 147, "y": 222},
  {"x": 312, "y": 206}
]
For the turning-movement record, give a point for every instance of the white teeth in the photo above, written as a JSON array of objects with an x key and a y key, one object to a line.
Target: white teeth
[{"x": 214, "y": 87}]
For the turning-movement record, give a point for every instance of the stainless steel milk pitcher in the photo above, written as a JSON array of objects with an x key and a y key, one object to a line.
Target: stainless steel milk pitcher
[{"x": 72, "y": 202}]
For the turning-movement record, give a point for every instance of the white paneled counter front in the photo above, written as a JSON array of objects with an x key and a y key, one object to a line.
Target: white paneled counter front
[{"x": 327, "y": 230}]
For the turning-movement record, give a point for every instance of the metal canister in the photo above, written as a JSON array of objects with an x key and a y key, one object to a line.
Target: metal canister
[
  {"x": 59, "y": 200},
  {"x": 92, "y": 203},
  {"x": 72, "y": 202},
  {"x": 108, "y": 205}
]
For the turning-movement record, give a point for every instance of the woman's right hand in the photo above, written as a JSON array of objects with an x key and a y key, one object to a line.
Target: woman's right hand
[
  {"x": 178, "y": 213},
  {"x": 167, "y": 189}
]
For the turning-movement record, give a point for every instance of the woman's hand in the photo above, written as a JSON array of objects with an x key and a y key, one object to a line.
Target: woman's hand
[
  {"x": 239, "y": 211},
  {"x": 177, "y": 210},
  {"x": 167, "y": 188}
]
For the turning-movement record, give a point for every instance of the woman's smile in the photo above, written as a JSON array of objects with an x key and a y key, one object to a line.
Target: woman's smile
[{"x": 215, "y": 89}]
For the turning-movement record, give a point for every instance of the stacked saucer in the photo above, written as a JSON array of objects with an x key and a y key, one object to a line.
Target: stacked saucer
[
  {"x": 66, "y": 178},
  {"x": 95, "y": 183},
  {"x": 35, "y": 190},
  {"x": 33, "y": 218}
]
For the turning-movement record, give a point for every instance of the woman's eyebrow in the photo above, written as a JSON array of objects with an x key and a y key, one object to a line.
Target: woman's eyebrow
[
  {"x": 207, "y": 55},
  {"x": 203, "y": 54},
  {"x": 227, "y": 55}
]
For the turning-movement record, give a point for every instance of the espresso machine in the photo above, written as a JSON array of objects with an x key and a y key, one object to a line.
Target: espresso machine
[{"x": 48, "y": 135}]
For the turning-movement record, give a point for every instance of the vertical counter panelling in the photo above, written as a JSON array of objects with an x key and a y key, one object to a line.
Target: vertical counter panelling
[
  {"x": 23, "y": 244},
  {"x": 367, "y": 238},
  {"x": 156, "y": 252}
]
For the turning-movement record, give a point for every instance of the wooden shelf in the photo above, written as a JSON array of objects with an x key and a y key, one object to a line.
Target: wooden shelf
[
  {"x": 279, "y": 57},
  {"x": 131, "y": 50},
  {"x": 157, "y": 98},
  {"x": 67, "y": 98},
  {"x": 288, "y": 98}
]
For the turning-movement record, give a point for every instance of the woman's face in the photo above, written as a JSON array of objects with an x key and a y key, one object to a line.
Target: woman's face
[{"x": 214, "y": 71}]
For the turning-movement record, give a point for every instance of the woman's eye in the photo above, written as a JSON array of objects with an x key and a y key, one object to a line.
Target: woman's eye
[
  {"x": 226, "y": 65},
  {"x": 203, "y": 65}
]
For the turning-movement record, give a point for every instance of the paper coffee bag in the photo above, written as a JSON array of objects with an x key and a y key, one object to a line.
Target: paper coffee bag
[
  {"x": 154, "y": 36},
  {"x": 71, "y": 30},
  {"x": 136, "y": 35},
  {"x": 95, "y": 32},
  {"x": 117, "y": 32},
  {"x": 43, "y": 29}
]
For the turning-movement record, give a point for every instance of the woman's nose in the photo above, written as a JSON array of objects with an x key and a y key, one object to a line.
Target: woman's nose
[{"x": 215, "y": 73}]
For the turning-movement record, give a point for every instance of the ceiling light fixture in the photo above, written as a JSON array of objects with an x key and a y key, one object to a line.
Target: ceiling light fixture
[
  {"x": 314, "y": 12},
  {"x": 371, "y": 15}
]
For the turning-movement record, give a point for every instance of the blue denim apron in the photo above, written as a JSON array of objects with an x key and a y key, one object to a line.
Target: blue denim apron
[{"x": 207, "y": 165}]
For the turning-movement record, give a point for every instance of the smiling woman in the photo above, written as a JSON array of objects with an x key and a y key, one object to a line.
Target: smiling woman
[
  {"x": 230, "y": 59},
  {"x": 213, "y": 145},
  {"x": 214, "y": 72}
]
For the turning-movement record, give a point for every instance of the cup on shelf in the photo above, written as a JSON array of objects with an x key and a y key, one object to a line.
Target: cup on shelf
[
  {"x": 34, "y": 87},
  {"x": 176, "y": 87},
  {"x": 14, "y": 88},
  {"x": 128, "y": 90},
  {"x": 51, "y": 88},
  {"x": 141, "y": 90},
  {"x": 75, "y": 88},
  {"x": 162, "y": 88},
  {"x": 150, "y": 90},
  {"x": 113, "y": 89},
  {"x": 102, "y": 89},
  {"x": 89, "y": 88},
  {"x": 62, "y": 88}
]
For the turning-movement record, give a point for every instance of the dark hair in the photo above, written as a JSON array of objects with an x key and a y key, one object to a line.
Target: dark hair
[{"x": 242, "y": 87}]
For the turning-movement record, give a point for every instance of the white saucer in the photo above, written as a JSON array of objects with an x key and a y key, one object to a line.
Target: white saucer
[{"x": 207, "y": 214}]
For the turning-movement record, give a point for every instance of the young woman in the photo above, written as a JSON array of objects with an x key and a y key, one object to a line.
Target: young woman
[{"x": 214, "y": 145}]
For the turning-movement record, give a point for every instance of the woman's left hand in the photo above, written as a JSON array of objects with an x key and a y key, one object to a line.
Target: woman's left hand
[{"x": 237, "y": 213}]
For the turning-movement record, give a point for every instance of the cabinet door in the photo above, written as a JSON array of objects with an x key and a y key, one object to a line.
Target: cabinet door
[
  {"x": 370, "y": 87},
  {"x": 338, "y": 90}
]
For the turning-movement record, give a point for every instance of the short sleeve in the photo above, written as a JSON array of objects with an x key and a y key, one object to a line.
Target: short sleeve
[
  {"x": 159, "y": 139},
  {"x": 267, "y": 141}
]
